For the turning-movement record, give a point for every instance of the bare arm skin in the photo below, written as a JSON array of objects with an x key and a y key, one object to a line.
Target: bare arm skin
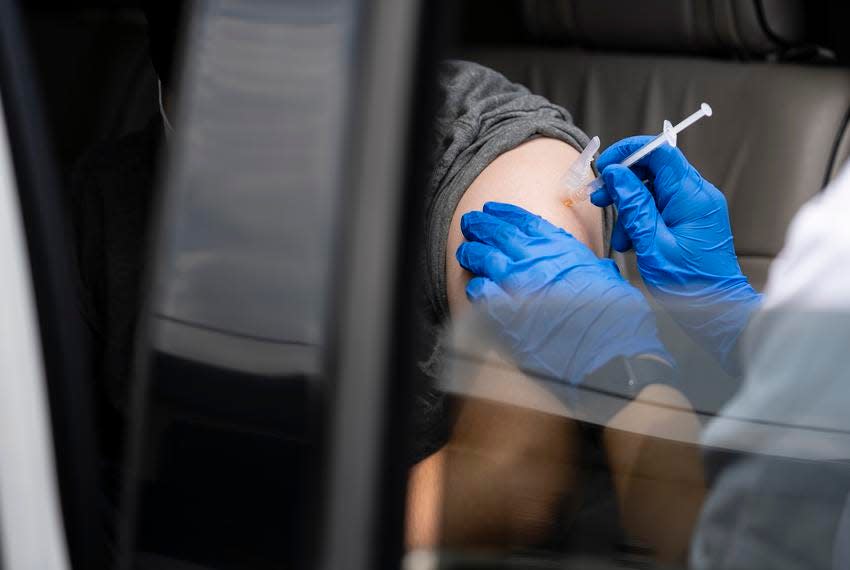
[
  {"x": 527, "y": 176},
  {"x": 501, "y": 477},
  {"x": 498, "y": 480}
]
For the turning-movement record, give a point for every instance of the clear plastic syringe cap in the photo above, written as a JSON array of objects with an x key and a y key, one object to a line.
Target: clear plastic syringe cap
[{"x": 579, "y": 171}]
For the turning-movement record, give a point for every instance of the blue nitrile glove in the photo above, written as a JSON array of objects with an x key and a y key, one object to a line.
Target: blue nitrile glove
[
  {"x": 683, "y": 242},
  {"x": 560, "y": 311}
]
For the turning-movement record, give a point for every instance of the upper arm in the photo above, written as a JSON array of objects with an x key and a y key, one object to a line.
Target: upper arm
[{"x": 527, "y": 176}]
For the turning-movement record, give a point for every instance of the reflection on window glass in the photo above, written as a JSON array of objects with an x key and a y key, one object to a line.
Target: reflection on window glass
[
  {"x": 690, "y": 422},
  {"x": 652, "y": 377}
]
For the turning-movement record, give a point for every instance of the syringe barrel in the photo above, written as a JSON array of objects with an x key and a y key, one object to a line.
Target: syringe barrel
[{"x": 645, "y": 150}]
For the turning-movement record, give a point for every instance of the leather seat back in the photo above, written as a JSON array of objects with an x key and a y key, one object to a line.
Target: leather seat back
[
  {"x": 744, "y": 27},
  {"x": 779, "y": 132}
]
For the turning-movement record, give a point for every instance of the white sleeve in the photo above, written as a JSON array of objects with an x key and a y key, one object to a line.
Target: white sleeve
[
  {"x": 791, "y": 346},
  {"x": 810, "y": 272},
  {"x": 789, "y": 424}
]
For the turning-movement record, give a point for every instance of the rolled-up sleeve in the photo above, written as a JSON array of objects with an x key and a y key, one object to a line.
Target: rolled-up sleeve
[{"x": 482, "y": 115}]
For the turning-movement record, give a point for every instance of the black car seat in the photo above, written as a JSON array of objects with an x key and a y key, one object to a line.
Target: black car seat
[
  {"x": 94, "y": 73},
  {"x": 770, "y": 69}
]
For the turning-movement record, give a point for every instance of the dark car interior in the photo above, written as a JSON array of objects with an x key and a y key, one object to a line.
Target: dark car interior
[{"x": 222, "y": 482}]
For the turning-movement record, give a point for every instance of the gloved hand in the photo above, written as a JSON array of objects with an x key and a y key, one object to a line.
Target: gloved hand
[
  {"x": 560, "y": 311},
  {"x": 683, "y": 242}
]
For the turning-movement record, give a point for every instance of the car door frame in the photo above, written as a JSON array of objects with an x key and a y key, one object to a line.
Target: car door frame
[{"x": 63, "y": 435}]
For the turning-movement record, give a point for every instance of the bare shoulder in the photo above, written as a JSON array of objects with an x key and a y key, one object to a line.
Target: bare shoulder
[{"x": 527, "y": 176}]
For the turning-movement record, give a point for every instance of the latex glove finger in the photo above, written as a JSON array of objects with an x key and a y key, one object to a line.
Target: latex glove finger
[
  {"x": 483, "y": 260},
  {"x": 601, "y": 198},
  {"x": 535, "y": 226},
  {"x": 665, "y": 166},
  {"x": 613, "y": 268},
  {"x": 491, "y": 300},
  {"x": 636, "y": 209},
  {"x": 530, "y": 224},
  {"x": 620, "y": 240},
  {"x": 619, "y": 151},
  {"x": 490, "y": 230}
]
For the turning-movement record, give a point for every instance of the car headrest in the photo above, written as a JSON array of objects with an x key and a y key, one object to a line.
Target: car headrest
[{"x": 741, "y": 27}]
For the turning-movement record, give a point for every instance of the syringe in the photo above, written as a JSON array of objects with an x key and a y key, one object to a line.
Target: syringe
[{"x": 581, "y": 192}]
